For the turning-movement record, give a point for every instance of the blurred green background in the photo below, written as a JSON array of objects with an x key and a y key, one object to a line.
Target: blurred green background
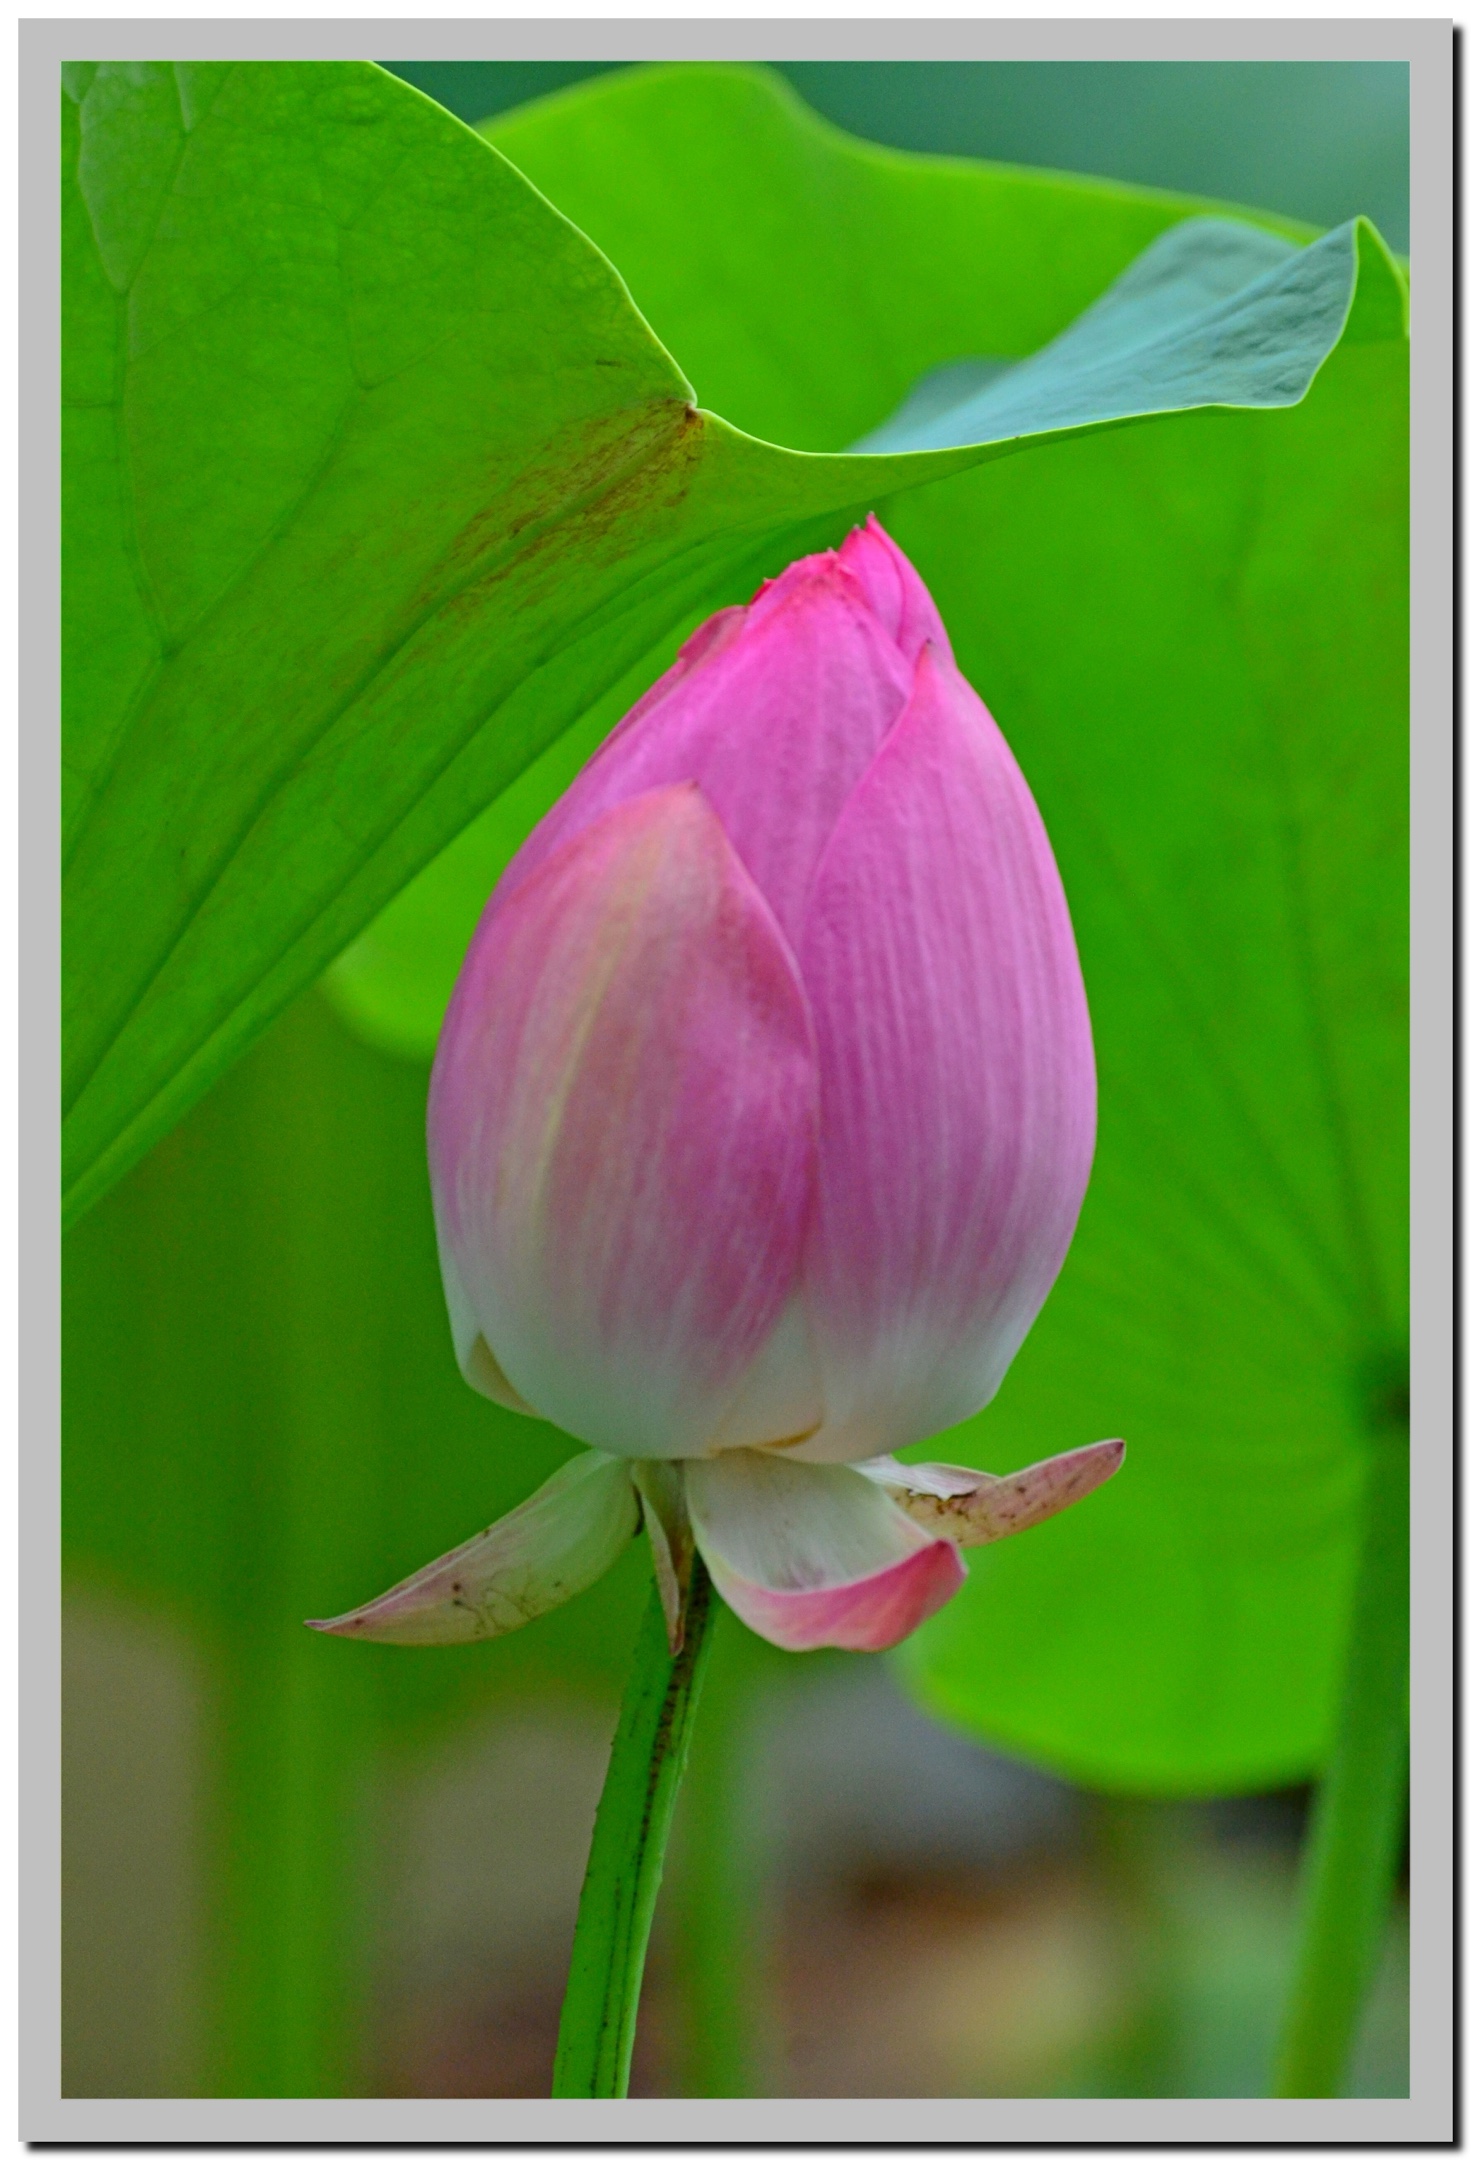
[{"x": 294, "y": 1873}]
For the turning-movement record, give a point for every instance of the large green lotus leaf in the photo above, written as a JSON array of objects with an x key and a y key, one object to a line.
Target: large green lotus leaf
[
  {"x": 1213, "y": 310},
  {"x": 1194, "y": 634},
  {"x": 376, "y": 481}
]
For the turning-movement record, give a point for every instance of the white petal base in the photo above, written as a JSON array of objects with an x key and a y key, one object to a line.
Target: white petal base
[{"x": 815, "y": 1555}]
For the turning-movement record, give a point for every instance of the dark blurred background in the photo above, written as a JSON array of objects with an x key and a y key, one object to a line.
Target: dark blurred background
[
  {"x": 277, "y": 1881},
  {"x": 1321, "y": 140}
]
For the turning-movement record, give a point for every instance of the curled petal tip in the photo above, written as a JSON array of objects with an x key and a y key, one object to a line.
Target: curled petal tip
[
  {"x": 971, "y": 1507},
  {"x": 371, "y": 1622}
]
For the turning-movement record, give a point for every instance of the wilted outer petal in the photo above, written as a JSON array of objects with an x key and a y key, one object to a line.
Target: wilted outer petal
[
  {"x": 813, "y": 1555},
  {"x": 555, "y": 1544},
  {"x": 957, "y": 1120},
  {"x": 974, "y": 1508},
  {"x": 621, "y": 1129},
  {"x": 776, "y": 715}
]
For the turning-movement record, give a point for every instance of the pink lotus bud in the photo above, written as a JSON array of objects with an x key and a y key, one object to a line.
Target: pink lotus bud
[{"x": 764, "y": 1106}]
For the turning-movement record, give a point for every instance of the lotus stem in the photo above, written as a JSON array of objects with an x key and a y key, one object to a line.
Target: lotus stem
[
  {"x": 1353, "y": 1845},
  {"x": 626, "y": 1863}
]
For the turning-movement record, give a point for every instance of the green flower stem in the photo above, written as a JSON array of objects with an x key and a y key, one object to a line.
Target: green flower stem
[
  {"x": 1358, "y": 1815},
  {"x": 626, "y": 1863},
  {"x": 718, "y": 1936}
]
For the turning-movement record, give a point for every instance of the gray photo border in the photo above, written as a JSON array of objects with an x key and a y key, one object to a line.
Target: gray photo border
[{"x": 1427, "y": 2116}]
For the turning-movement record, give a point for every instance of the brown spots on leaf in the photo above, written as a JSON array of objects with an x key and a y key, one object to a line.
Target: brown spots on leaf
[{"x": 587, "y": 480}]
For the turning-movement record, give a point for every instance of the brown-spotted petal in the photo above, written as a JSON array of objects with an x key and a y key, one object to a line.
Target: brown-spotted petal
[
  {"x": 556, "y": 1543},
  {"x": 971, "y": 1507}
]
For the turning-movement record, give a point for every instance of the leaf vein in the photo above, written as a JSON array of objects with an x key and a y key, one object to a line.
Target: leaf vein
[{"x": 267, "y": 796}]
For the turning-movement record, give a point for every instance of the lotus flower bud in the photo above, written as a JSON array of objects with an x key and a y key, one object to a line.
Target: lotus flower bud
[{"x": 764, "y": 1107}]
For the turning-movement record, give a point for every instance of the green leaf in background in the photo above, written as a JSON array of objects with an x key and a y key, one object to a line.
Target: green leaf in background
[
  {"x": 1318, "y": 139},
  {"x": 1197, "y": 644},
  {"x": 1194, "y": 634},
  {"x": 376, "y": 481}
]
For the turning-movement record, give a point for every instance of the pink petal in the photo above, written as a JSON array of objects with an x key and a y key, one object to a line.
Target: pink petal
[
  {"x": 957, "y": 1078},
  {"x": 776, "y": 714},
  {"x": 556, "y": 1543},
  {"x": 871, "y": 1614},
  {"x": 621, "y": 1129},
  {"x": 815, "y": 1556},
  {"x": 974, "y": 1508},
  {"x": 894, "y": 590}
]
